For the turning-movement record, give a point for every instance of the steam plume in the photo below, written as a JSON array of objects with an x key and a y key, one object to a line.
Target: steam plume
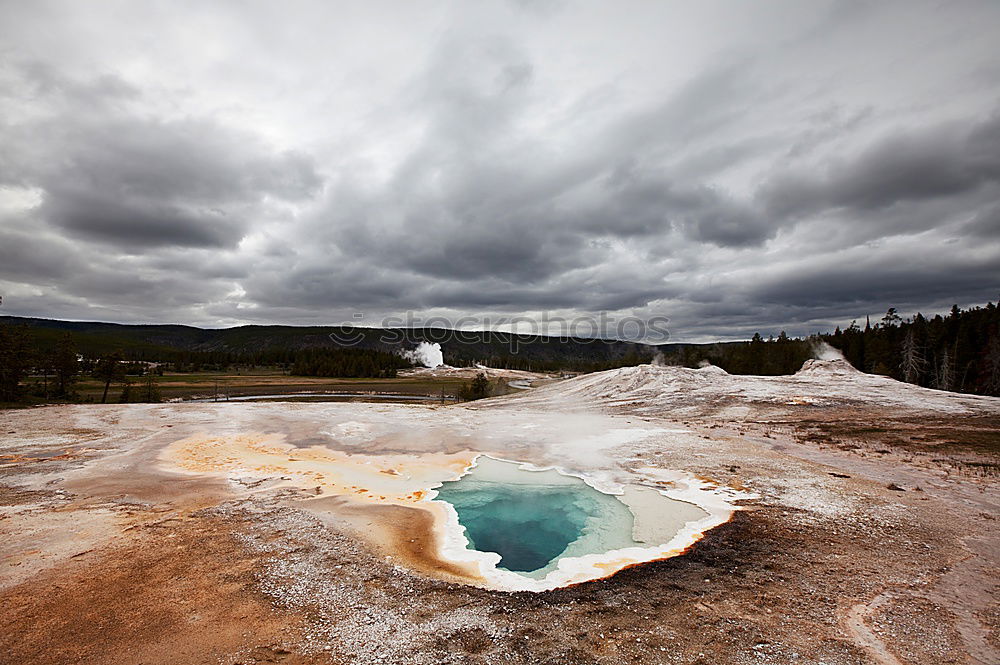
[{"x": 427, "y": 354}]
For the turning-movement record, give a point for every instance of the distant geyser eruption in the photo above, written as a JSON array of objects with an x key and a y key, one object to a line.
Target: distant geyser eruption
[
  {"x": 427, "y": 354},
  {"x": 823, "y": 351}
]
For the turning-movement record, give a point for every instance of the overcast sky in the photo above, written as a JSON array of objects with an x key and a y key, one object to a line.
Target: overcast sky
[{"x": 735, "y": 166}]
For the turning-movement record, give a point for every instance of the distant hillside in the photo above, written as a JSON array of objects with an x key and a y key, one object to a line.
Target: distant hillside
[
  {"x": 280, "y": 344},
  {"x": 958, "y": 352}
]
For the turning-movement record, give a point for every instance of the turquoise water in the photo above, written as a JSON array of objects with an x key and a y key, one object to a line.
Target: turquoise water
[{"x": 534, "y": 518}]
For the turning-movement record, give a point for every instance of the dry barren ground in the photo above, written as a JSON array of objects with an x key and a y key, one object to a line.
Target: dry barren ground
[{"x": 873, "y": 538}]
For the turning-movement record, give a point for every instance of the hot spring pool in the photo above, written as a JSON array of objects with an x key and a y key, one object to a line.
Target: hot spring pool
[
  {"x": 497, "y": 524},
  {"x": 535, "y": 519}
]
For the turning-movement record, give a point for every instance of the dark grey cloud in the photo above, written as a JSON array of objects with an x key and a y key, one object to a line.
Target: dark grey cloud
[
  {"x": 925, "y": 163},
  {"x": 638, "y": 203},
  {"x": 985, "y": 223},
  {"x": 134, "y": 182},
  {"x": 149, "y": 184},
  {"x": 138, "y": 223},
  {"x": 885, "y": 281},
  {"x": 26, "y": 256},
  {"x": 786, "y": 166},
  {"x": 44, "y": 80}
]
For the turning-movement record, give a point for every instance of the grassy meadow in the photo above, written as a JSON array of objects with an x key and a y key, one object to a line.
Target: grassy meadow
[{"x": 260, "y": 381}]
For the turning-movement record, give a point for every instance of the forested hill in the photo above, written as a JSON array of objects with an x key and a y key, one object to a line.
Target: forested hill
[
  {"x": 958, "y": 351},
  {"x": 265, "y": 345},
  {"x": 955, "y": 351}
]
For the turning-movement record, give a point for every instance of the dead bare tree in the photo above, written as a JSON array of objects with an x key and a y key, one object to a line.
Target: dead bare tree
[
  {"x": 913, "y": 359},
  {"x": 945, "y": 379},
  {"x": 991, "y": 368}
]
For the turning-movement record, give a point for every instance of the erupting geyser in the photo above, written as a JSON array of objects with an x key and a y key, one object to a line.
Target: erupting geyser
[{"x": 427, "y": 354}]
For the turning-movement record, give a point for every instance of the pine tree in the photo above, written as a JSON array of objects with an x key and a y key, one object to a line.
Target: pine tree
[
  {"x": 128, "y": 394},
  {"x": 14, "y": 361},
  {"x": 150, "y": 389},
  {"x": 109, "y": 369},
  {"x": 65, "y": 363},
  {"x": 44, "y": 362},
  {"x": 478, "y": 388},
  {"x": 891, "y": 318}
]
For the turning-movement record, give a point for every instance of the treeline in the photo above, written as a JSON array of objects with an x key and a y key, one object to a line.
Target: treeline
[
  {"x": 30, "y": 372},
  {"x": 480, "y": 387},
  {"x": 768, "y": 357},
  {"x": 190, "y": 349},
  {"x": 58, "y": 366},
  {"x": 329, "y": 361},
  {"x": 597, "y": 360},
  {"x": 959, "y": 351},
  {"x": 57, "y": 369},
  {"x": 348, "y": 363},
  {"x": 221, "y": 361}
]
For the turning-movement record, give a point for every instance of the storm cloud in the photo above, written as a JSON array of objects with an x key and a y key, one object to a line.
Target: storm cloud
[{"x": 735, "y": 168}]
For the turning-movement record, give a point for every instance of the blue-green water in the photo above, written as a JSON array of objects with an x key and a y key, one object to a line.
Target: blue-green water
[{"x": 533, "y": 518}]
